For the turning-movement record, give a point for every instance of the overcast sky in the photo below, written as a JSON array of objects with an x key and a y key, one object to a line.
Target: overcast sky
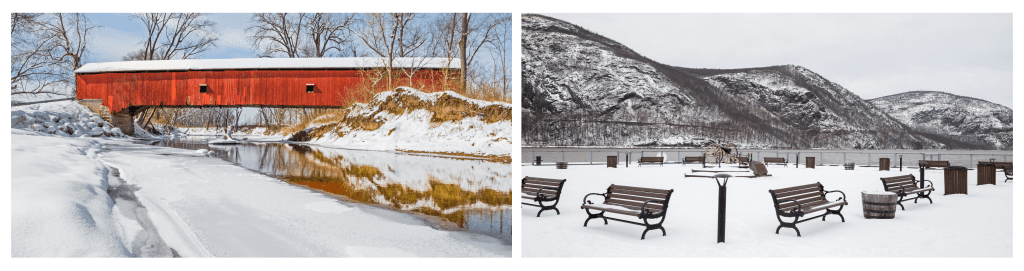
[{"x": 872, "y": 55}]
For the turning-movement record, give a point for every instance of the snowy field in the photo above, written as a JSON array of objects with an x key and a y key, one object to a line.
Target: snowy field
[
  {"x": 200, "y": 206},
  {"x": 979, "y": 224}
]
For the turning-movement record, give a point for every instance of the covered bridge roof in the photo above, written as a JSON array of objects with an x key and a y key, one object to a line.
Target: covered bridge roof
[{"x": 266, "y": 64}]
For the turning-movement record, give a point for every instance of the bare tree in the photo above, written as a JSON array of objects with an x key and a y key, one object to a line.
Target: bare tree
[
  {"x": 463, "y": 35},
  {"x": 174, "y": 36},
  {"x": 301, "y": 34},
  {"x": 45, "y": 51},
  {"x": 390, "y": 36},
  {"x": 276, "y": 33}
]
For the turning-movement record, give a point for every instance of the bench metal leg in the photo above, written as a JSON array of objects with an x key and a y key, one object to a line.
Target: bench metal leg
[
  {"x": 593, "y": 216},
  {"x": 549, "y": 207},
  {"x": 788, "y": 225},
  {"x": 652, "y": 227},
  {"x": 831, "y": 212}
]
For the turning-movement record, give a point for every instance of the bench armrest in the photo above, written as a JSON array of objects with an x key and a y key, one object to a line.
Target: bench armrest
[
  {"x": 542, "y": 196},
  {"x": 645, "y": 211},
  {"x": 929, "y": 182},
  {"x": 585, "y": 201},
  {"x": 840, "y": 192},
  {"x": 797, "y": 211}
]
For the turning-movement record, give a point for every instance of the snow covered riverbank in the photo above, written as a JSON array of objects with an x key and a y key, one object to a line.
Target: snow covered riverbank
[
  {"x": 201, "y": 207},
  {"x": 979, "y": 224}
]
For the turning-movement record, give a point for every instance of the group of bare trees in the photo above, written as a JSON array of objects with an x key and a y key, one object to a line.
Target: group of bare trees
[
  {"x": 45, "y": 51},
  {"x": 174, "y": 36}
]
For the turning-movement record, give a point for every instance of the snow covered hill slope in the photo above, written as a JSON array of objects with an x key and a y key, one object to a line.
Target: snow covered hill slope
[
  {"x": 409, "y": 120},
  {"x": 943, "y": 113},
  {"x": 583, "y": 89}
]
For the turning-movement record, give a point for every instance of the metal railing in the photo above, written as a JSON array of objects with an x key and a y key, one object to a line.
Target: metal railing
[{"x": 822, "y": 158}]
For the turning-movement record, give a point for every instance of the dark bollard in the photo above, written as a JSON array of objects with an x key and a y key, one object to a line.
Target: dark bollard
[
  {"x": 921, "y": 164},
  {"x": 721, "y": 205},
  {"x": 901, "y": 163}
]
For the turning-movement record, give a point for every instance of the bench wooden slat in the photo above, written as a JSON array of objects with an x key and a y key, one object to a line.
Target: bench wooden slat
[
  {"x": 613, "y": 210},
  {"x": 543, "y": 181},
  {"x": 631, "y": 204},
  {"x": 803, "y": 202},
  {"x": 535, "y": 186},
  {"x": 634, "y": 198},
  {"x": 799, "y": 187},
  {"x": 660, "y": 192},
  {"x": 636, "y": 195},
  {"x": 796, "y": 192}
]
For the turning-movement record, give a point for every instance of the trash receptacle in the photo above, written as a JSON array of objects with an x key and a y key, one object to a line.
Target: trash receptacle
[
  {"x": 883, "y": 164},
  {"x": 810, "y": 162},
  {"x": 613, "y": 161},
  {"x": 986, "y": 173},
  {"x": 536, "y": 161},
  {"x": 956, "y": 180}
]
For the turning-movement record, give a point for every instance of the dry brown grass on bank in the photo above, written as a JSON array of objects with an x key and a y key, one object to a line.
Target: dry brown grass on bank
[{"x": 445, "y": 108}]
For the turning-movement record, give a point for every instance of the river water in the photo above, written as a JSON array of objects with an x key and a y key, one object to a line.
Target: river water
[{"x": 458, "y": 193}]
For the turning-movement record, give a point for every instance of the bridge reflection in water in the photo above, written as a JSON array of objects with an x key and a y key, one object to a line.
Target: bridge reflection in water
[{"x": 472, "y": 194}]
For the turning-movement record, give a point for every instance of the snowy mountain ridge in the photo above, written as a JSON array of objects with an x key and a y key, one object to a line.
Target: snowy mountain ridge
[
  {"x": 959, "y": 116},
  {"x": 583, "y": 89}
]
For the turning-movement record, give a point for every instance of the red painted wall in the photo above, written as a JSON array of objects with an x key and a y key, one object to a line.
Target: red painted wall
[{"x": 234, "y": 87}]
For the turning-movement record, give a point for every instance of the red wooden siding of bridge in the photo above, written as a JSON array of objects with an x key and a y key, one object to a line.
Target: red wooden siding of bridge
[{"x": 236, "y": 87}]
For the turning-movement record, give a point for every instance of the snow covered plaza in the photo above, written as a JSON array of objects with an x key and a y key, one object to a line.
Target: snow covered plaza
[{"x": 979, "y": 224}]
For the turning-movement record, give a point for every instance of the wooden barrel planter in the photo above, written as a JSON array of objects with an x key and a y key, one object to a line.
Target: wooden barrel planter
[
  {"x": 883, "y": 164},
  {"x": 848, "y": 166},
  {"x": 562, "y": 165},
  {"x": 879, "y": 204},
  {"x": 613, "y": 161}
]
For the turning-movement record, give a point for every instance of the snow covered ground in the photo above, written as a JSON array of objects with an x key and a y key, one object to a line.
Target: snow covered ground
[
  {"x": 201, "y": 207},
  {"x": 979, "y": 224}
]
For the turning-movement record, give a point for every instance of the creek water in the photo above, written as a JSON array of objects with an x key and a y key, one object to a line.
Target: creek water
[{"x": 461, "y": 194}]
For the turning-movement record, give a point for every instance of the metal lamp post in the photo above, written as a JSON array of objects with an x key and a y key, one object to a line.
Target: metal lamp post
[{"x": 721, "y": 204}]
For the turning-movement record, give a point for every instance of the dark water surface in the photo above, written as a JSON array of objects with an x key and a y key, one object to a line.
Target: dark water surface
[{"x": 474, "y": 195}]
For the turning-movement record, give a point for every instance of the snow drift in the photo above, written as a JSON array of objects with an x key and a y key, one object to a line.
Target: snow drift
[{"x": 409, "y": 120}]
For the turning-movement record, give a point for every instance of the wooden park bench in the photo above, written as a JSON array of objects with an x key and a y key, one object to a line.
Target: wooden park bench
[
  {"x": 906, "y": 185},
  {"x": 641, "y": 203},
  {"x": 541, "y": 190},
  {"x": 937, "y": 164},
  {"x": 776, "y": 160},
  {"x": 1008, "y": 172},
  {"x": 651, "y": 160},
  {"x": 693, "y": 160},
  {"x": 798, "y": 201},
  {"x": 744, "y": 161}
]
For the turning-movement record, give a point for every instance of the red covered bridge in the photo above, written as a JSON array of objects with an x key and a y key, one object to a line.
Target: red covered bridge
[{"x": 284, "y": 82}]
